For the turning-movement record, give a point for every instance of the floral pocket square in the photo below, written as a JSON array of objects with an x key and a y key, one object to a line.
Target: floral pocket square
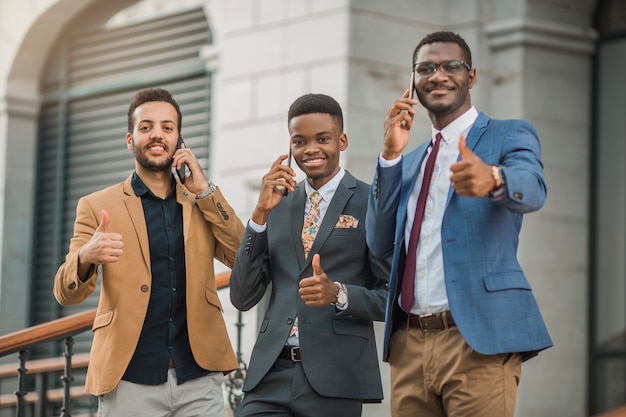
[{"x": 347, "y": 221}]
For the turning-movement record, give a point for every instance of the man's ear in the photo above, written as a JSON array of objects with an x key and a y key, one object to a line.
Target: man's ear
[
  {"x": 472, "y": 78},
  {"x": 129, "y": 141},
  {"x": 343, "y": 142}
]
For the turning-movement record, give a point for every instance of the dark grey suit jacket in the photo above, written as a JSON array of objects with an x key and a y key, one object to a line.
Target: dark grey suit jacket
[{"x": 338, "y": 349}]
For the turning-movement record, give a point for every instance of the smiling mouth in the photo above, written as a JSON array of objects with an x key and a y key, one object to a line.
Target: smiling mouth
[
  {"x": 313, "y": 161},
  {"x": 156, "y": 147}
]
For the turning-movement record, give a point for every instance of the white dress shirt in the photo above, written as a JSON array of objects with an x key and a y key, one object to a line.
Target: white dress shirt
[{"x": 430, "y": 287}]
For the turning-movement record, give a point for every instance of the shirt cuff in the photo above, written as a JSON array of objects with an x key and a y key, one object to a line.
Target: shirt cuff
[
  {"x": 499, "y": 194},
  {"x": 257, "y": 227},
  {"x": 386, "y": 163}
]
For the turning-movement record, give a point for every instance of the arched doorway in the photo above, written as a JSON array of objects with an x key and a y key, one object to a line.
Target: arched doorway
[{"x": 91, "y": 75}]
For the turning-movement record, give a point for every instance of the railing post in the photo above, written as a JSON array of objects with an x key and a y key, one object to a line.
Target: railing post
[
  {"x": 67, "y": 377},
  {"x": 234, "y": 380},
  {"x": 21, "y": 383},
  {"x": 41, "y": 388}
]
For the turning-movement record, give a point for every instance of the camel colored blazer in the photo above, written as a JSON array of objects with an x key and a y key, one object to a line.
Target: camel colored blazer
[{"x": 211, "y": 230}]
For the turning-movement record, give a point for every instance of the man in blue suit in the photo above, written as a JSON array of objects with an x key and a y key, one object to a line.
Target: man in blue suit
[
  {"x": 315, "y": 355},
  {"x": 461, "y": 316}
]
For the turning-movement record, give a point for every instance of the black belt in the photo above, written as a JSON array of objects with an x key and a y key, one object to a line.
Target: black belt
[
  {"x": 291, "y": 352},
  {"x": 430, "y": 322}
]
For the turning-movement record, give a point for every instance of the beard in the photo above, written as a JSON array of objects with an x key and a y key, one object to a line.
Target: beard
[
  {"x": 145, "y": 162},
  {"x": 439, "y": 108}
]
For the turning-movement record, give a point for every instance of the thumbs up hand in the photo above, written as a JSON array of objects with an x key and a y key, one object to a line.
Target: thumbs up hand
[
  {"x": 471, "y": 177},
  {"x": 103, "y": 247},
  {"x": 318, "y": 290}
]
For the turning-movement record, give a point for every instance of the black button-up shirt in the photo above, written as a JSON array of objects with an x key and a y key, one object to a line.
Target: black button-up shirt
[{"x": 164, "y": 335}]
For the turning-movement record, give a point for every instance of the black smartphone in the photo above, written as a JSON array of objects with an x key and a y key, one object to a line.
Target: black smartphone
[
  {"x": 180, "y": 172},
  {"x": 412, "y": 86},
  {"x": 289, "y": 165}
]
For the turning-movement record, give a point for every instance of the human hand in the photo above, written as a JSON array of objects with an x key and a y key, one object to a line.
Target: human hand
[
  {"x": 103, "y": 247},
  {"x": 471, "y": 177},
  {"x": 278, "y": 180},
  {"x": 195, "y": 181},
  {"x": 398, "y": 123},
  {"x": 318, "y": 290}
]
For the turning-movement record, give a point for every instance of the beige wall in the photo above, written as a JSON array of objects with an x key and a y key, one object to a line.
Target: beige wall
[{"x": 267, "y": 53}]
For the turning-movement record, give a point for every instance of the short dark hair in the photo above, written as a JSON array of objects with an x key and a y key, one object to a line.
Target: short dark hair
[
  {"x": 316, "y": 103},
  {"x": 152, "y": 94},
  {"x": 445, "y": 37}
]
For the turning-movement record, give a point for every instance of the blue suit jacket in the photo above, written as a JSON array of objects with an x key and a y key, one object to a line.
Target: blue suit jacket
[{"x": 489, "y": 297}]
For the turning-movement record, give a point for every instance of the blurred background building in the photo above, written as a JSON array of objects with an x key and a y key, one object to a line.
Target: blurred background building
[{"x": 68, "y": 69}]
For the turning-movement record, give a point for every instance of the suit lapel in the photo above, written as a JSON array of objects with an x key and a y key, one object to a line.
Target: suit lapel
[
  {"x": 135, "y": 212},
  {"x": 337, "y": 204},
  {"x": 296, "y": 212},
  {"x": 182, "y": 198}
]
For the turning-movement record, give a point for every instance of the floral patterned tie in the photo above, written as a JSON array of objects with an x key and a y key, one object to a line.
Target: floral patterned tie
[
  {"x": 309, "y": 230},
  {"x": 312, "y": 223}
]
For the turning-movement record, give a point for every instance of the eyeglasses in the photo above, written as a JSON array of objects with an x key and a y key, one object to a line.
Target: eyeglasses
[{"x": 425, "y": 69}]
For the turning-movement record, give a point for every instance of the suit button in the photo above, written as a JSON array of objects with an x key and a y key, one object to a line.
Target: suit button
[
  {"x": 144, "y": 288},
  {"x": 72, "y": 286},
  {"x": 219, "y": 206},
  {"x": 290, "y": 321}
]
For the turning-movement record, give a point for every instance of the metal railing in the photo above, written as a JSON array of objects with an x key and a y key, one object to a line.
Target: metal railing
[{"x": 65, "y": 329}]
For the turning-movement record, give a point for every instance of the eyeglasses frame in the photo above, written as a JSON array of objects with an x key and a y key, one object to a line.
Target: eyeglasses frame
[{"x": 438, "y": 67}]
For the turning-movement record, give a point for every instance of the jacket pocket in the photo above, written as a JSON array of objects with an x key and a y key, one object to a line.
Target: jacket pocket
[
  {"x": 507, "y": 280},
  {"x": 353, "y": 327},
  {"x": 102, "y": 319},
  {"x": 212, "y": 298},
  {"x": 346, "y": 232}
]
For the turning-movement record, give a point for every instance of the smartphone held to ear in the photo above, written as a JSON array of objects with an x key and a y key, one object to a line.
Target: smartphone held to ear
[
  {"x": 289, "y": 165},
  {"x": 412, "y": 86},
  {"x": 180, "y": 172}
]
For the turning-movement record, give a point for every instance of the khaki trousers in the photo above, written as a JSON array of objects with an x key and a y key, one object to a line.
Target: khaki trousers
[
  {"x": 436, "y": 374},
  {"x": 200, "y": 397}
]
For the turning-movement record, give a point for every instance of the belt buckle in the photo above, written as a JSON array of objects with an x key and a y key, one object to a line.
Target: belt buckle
[
  {"x": 294, "y": 352},
  {"x": 423, "y": 328}
]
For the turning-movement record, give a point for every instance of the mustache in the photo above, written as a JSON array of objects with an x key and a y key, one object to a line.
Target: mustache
[{"x": 429, "y": 88}]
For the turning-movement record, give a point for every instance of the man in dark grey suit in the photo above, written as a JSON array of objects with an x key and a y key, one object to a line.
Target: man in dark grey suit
[{"x": 316, "y": 353}]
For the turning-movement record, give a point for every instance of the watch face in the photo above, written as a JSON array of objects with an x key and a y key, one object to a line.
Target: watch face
[{"x": 342, "y": 298}]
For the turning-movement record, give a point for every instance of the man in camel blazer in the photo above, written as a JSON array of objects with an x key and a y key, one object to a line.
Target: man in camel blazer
[{"x": 159, "y": 324}]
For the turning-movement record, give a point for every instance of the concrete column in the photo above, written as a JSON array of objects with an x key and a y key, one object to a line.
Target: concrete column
[{"x": 541, "y": 71}]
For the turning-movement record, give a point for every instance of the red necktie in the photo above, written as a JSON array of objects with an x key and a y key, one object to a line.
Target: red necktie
[{"x": 408, "y": 278}]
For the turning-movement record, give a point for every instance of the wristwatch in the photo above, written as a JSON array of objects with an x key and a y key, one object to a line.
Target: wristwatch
[{"x": 342, "y": 296}]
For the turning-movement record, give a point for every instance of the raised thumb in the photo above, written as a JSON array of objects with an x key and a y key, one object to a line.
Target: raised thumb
[
  {"x": 315, "y": 263},
  {"x": 104, "y": 223}
]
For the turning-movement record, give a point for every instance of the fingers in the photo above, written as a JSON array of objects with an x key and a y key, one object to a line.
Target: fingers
[
  {"x": 471, "y": 177},
  {"x": 280, "y": 175},
  {"x": 104, "y": 223},
  {"x": 465, "y": 152},
  {"x": 315, "y": 263},
  {"x": 317, "y": 290}
]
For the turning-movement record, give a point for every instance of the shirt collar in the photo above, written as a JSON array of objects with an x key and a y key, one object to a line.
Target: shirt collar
[
  {"x": 458, "y": 126},
  {"x": 140, "y": 188},
  {"x": 327, "y": 191}
]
